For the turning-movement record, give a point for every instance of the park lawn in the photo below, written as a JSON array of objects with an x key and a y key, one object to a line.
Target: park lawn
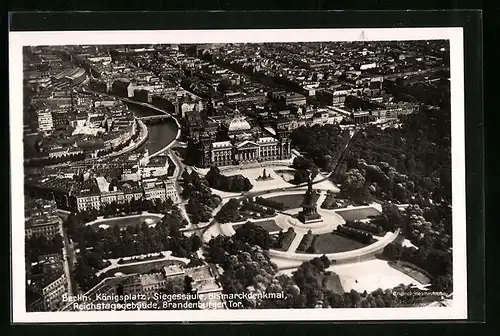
[
  {"x": 292, "y": 201},
  {"x": 334, "y": 243},
  {"x": 358, "y": 214},
  {"x": 124, "y": 222},
  {"x": 268, "y": 225}
]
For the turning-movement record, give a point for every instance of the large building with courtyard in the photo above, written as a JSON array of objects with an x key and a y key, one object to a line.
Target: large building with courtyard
[{"x": 237, "y": 140}]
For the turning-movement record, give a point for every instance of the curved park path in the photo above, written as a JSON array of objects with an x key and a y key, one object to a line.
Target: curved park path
[{"x": 115, "y": 264}]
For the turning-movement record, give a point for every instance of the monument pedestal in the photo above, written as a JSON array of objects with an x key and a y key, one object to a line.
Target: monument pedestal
[{"x": 309, "y": 215}]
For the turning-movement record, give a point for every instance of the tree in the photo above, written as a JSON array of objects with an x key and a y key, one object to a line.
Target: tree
[
  {"x": 300, "y": 176},
  {"x": 355, "y": 298},
  {"x": 254, "y": 235},
  {"x": 229, "y": 211},
  {"x": 195, "y": 242}
]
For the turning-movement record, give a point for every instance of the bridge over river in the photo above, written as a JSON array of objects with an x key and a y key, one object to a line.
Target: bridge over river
[{"x": 155, "y": 118}]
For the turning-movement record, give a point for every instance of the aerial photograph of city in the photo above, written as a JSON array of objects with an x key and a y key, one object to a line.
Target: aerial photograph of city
[{"x": 237, "y": 176}]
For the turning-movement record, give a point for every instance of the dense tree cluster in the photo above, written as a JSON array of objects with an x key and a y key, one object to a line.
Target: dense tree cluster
[
  {"x": 112, "y": 243},
  {"x": 391, "y": 218},
  {"x": 38, "y": 245},
  {"x": 136, "y": 206},
  {"x": 86, "y": 267},
  {"x": 322, "y": 144},
  {"x": 254, "y": 235},
  {"x": 304, "y": 169},
  {"x": 234, "y": 183},
  {"x": 412, "y": 159},
  {"x": 437, "y": 263},
  {"x": 354, "y": 187},
  {"x": 76, "y": 220},
  {"x": 235, "y": 211},
  {"x": 429, "y": 229},
  {"x": 229, "y": 212},
  {"x": 248, "y": 268},
  {"x": 201, "y": 200}
]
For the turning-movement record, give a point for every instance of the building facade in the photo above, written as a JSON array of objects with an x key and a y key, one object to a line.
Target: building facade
[
  {"x": 48, "y": 226},
  {"x": 244, "y": 143},
  {"x": 41, "y": 218},
  {"x": 48, "y": 284},
  {"x": 44, "y": 121}
]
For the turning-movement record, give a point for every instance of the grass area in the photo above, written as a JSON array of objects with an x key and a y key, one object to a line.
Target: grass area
[
  {"x": 334, "y": 243},
  {"x": 358, "y": 214},
  {"x": 123, "y": 222},
  {"x": 268, "y": 225},
  {"x": 292, "y": 201}
]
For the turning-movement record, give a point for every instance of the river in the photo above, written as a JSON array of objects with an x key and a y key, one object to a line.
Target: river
[{"x": 160, "y": 134}]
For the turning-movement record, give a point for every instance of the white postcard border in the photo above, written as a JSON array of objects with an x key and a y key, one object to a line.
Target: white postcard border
[{"x": 17, "y": 40}]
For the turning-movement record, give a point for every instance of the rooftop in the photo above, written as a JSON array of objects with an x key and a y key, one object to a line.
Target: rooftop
[{"x": 239, "y": 124}]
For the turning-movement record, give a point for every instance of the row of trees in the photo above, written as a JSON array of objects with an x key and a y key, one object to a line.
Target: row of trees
[
  {"x": 284, "y": 239},
  {"x": 270, "y": 203},
  {"x": 45, "y": 161},
  {"x": 370, "y": 227},
  {"x": 234, "y": 211},
  {"x": 306, "y": 244},
  {"x": 234, "y": 183},
  {"x": 136, "y": 206},
  {"x": 359, "y": 235}
]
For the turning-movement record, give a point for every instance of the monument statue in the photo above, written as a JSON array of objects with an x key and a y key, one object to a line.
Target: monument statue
[{"x": 309, "y": 211}]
